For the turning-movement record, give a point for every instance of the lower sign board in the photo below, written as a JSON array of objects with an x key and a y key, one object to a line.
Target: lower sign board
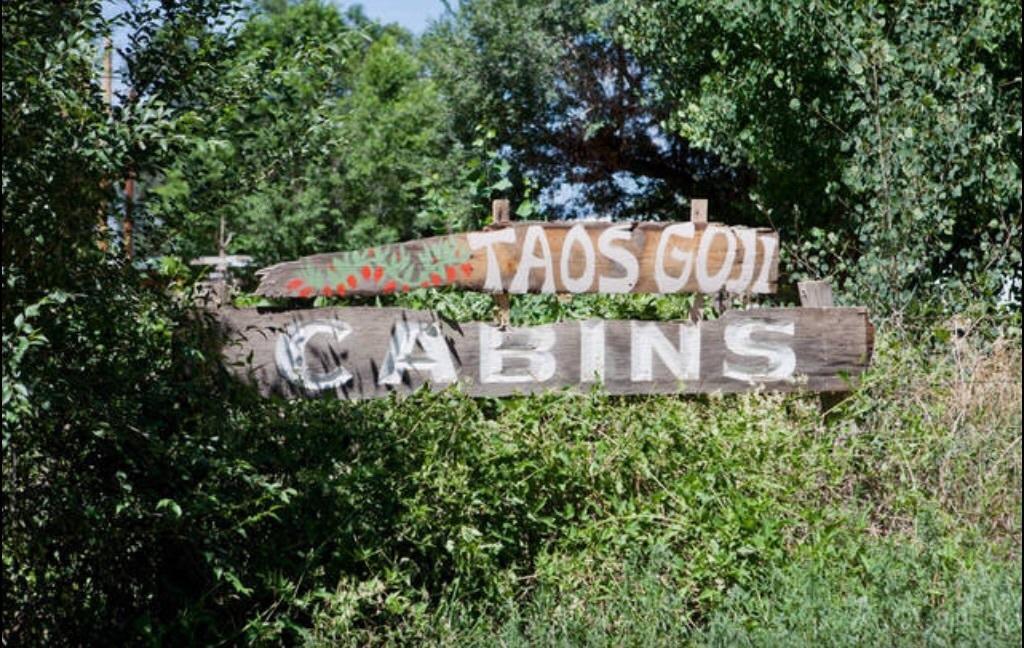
[{"x": 357, "y": 353}]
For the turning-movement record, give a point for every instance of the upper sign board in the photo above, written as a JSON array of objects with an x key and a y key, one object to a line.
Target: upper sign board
[{"x": 559, "y": 257}]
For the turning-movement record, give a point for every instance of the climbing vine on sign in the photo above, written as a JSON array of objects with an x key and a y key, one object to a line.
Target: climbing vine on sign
[{"x": 394, "y": 268}]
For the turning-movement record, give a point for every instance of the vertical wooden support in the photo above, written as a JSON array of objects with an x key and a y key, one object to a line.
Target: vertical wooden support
[
  {"x": 501, "y": 212},
  {"x": 699, "y": 217},
  {"x": 216, "y": 290},
  {"x": 108, "y": 74},
  {"x": 815, "y": 294},
  {"x": 128, "y": 224},
  {"x": 818, "y": 294},
  {"x": 108, "y": 99},
  {"x": 699, "y": 211}
]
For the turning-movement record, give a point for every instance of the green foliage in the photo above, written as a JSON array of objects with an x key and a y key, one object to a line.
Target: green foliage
[
  {"x": 121, "y": 489},
  {"x": 573, "y": 110},
  {"x": 886, "y": 137},
  {"x": 323, "y": 134},
  {"x": 528, "y": 310},
  {"x": 55, "y": 135},
  {"x": 892, "y": 594},
  {"x": 908, "y": 595},
  {"x": 147, "y": 498},
  {"x": 580, "y": 519}
]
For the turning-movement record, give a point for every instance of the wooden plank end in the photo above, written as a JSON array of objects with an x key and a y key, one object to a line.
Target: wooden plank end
[
  {"x": 699, "y": 211},
  {"x": 815, "y": 294}
]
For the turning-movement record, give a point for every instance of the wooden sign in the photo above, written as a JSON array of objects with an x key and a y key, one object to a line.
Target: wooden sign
[
  {"x": 357, "y": 353},
  {"x": 560, "y": 257}
]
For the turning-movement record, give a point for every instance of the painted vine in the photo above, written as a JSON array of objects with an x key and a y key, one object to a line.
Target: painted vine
[{"x": 393, "y": 268}]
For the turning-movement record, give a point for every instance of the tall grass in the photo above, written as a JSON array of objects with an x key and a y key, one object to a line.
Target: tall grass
[{"x": 893, "y": 519}]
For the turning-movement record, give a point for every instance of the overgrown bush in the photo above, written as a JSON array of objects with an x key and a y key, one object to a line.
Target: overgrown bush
[
  {"x": 885, "y": 136},
  {"x": 147, "y": 498}
]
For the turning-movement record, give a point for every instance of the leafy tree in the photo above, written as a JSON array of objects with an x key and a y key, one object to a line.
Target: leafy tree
[
  {"x": 573, "y": 109},
  {"x": 324, "y": 133},
  {"x": 885, "y": 137},
  {"x": 118, "y": 478},
  {"x": 55, "y": 136}
]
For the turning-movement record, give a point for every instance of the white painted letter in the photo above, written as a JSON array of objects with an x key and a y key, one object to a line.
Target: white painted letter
[
  {"x": 712, "y": 283},
  {"x": 770, "y": 242},
  {"x": 432, "y": 354},
  {"x": 748, "y": 238},
  {"x": 488, "y": 240},
  {"x": 531, "y": 347},
  {"x": 592, "y": 351},
  {"x": 528, "y": 261},
  {"x": 666, "y": 283},
  {"x": 781, "y": 359},
  {"x": 647, "y": 339},
  {"x": 620, "y": 255},
  {"x": 577, "y": 236},
  {"x": 290, "y": 355}
]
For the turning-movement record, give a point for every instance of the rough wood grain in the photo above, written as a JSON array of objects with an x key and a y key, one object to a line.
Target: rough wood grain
[
  {"x": 699, "y": 211},
  {"x": 224, "y": 261},
  {"x": 562, "y": 257},
  {"x": 501, "y": 211},
  {"x": 815, "y": 294},
  {"x": 357, "y": 353}
]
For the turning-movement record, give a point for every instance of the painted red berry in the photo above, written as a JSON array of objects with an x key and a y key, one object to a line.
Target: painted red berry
[
  {"x": 424, "y": 284},
  {"x": 366, "y": 271},
  {"x": 294, "y": 284},
  {"x": 378, "y": 272},
  {"x": 352, "y": 281},
  {"x": 467, "y": 268},
  {"x": 449, "y": 272},
  {"x": 389, "y": 287},
  {"x": 435, "y": 278},
  {"x": 340, "y": 289},
  {"x": 306, "y": 292},
  {"x": 326, "y": 291},
  {"x": 405, "y": 287}
]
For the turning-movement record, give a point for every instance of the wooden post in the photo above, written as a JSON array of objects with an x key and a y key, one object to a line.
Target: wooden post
[
  {"x": 818, "y": 294},
  {"x": 216, "y": 290},
  {"x": 108, "y": 98},
  {"x": 128, "y": 225},
  {"x": 501, "y": 213},
  {"x": 699, "y": 211},
  {"x": 699, "y": 217},
  {"x": 108, "y": 74},
  {"x": 815, "y": 294}
]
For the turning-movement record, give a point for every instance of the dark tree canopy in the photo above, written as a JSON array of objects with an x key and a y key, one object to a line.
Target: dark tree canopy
[{"x": 575, "y": 111}]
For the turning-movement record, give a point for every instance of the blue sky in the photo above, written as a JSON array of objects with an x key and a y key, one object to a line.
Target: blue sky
[{"x": 414, "y": 15}]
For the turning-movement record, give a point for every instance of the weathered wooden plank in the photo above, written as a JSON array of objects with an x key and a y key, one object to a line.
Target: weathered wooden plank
[
  {"x": 357, "y": 353},
  {"x": 699, "y": 211},
  {"x": 501, "y": 211},
  {"x": 561, "y": 257},
  {"x": 227, "y": 261},
  {"x": 815, "y": 294}
]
